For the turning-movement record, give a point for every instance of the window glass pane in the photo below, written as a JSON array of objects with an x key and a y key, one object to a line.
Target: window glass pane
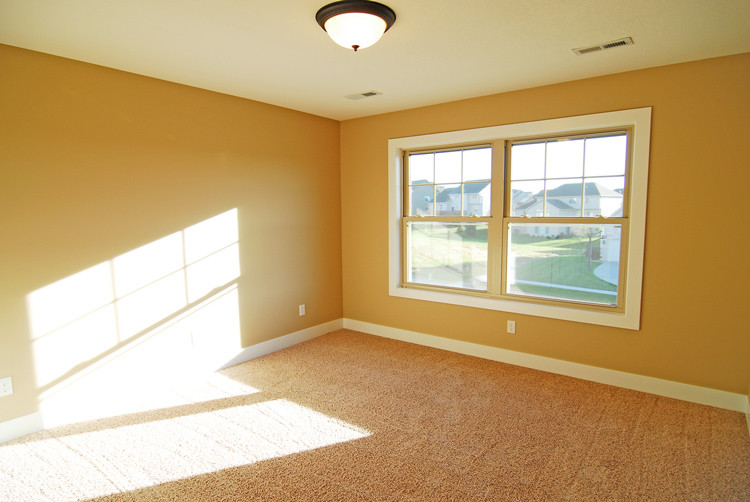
[
  {"x": 564, "y": 261},
  {"x": 421, "y": 168},
  {"x": 604, "y": 196},
  {"x": 422, "y": 200},
  {"x": 477, "y": 164},
  {"x": 606, "y": 156},
  {"x": 565, "y": 158},
  {"x": 564, "y": 198},
  {"x": 448, "y": 167},
  {"x": 527, "y": 198},
  {"x": 527, "y": 161},
  {"x": 448, "y": 200},
  {"x": 476, "y": 199},
  {"x": 448, "y": 254}
]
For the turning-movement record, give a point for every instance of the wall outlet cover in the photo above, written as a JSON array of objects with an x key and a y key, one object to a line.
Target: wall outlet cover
[{"x": 6, "y": 386}]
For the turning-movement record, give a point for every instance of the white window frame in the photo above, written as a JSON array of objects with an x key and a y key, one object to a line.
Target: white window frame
[{"x": 638, "y": 119}]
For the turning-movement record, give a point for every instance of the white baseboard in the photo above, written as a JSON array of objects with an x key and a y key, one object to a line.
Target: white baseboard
[
  {"x": 17, "y": 427},
  {"x": 33, "y": 422},
  {"x": 666, "y": 388},
  {"x": 282, "y": 342}
]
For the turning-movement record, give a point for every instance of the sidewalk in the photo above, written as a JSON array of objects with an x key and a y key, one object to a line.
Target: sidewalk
[{"x": 608, "y": 271}]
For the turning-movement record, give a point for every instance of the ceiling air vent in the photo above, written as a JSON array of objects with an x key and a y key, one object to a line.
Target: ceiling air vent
[
  {"x": 363, "y": 95},
  {"x": 606, "y": 45}
]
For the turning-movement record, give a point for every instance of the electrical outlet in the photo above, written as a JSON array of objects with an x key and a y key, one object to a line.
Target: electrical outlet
[
  {"x": 6, "y": 386},
  {"x": 512, "y": 327},
  {"x": 302, "y": 310}
]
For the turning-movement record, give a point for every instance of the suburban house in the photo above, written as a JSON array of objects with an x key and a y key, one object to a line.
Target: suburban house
[
  {"x": 476, "y": 200},
  {"x": 565, "y": 200}
]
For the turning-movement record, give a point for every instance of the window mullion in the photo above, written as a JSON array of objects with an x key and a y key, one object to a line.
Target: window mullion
[
  {"x": 504, "y": 254},
  {"x": 404, "y": 253},
  {"x": 497, "y": 205}
]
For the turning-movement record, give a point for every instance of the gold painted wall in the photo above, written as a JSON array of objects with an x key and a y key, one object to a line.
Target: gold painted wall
[
  {"x": 695, "y": 287},
  {"x": 96, "y": 162}
]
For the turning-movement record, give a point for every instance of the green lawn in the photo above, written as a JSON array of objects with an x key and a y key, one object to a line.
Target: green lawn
[
  {"x": 439, "y": 246},
  {"x": 564, "y": 294},
  {"x": 559, "y": 261},
  {"x": 531, "y": 246},
  {"x": 570, "y": 270},
  {"x": 549, "y": 261}
]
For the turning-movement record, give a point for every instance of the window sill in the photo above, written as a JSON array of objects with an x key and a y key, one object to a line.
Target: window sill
[{"x": 614, "y": 319}]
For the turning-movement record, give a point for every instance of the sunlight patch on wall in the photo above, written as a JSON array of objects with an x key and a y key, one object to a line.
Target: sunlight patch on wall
[
  {"x": 149, "y": 315},
  {"x": 120, "y": 460}
]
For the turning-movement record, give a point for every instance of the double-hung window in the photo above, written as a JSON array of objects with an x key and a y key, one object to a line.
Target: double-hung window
[
  {"x": 446, "y": 220},
  {"x": 544, "y": 218},
  {"x": 564, "y": 218}
]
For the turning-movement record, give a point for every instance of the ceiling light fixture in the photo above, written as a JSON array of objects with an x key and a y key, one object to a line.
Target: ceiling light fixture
[{"x": 355, "y": 23}]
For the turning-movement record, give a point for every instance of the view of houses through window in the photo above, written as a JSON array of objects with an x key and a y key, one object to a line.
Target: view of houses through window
[
  {"x": 562, "y": 225},
  {"x": 450, "y": 190}
]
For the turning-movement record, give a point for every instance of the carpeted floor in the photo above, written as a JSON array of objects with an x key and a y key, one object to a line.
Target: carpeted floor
[{"x": 349, "y": 416}]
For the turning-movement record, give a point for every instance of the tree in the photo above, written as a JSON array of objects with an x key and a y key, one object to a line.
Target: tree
[{"x": 591, "y": 234}]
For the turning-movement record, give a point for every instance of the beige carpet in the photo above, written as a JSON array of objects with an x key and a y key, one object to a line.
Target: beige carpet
[{"x": 349, "y": 416}]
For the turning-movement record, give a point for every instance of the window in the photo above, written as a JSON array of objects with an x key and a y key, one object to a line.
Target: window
[
  {"x": 544, "y": 218},
  {"x": 446, "y": 218},
  {"x": 565, "y": 218}
]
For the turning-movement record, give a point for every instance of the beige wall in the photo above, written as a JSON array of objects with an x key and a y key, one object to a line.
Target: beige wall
[
  {"x": 95, "y": 162},
  {"x": 694, "y": 318}
]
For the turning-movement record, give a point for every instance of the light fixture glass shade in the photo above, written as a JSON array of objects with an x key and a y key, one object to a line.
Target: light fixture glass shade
[
  {"x": 355, "y": 24},
  {"x": 355, "y": 30}
]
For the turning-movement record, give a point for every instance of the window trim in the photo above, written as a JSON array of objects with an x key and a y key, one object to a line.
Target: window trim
[{"x": 638, "y": 119}]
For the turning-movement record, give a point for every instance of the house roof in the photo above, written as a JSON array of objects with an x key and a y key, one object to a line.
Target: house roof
[
  {"x": 469, "y": 188},
  {"x": 552, "y": 202},
  {"x": 529, "y": 203},
  {"x": 561, "y": 205},
  {"x": 574, "y": 190},
  {"x": 568, "y": 190},
  {"x": 519, "y": 194}
]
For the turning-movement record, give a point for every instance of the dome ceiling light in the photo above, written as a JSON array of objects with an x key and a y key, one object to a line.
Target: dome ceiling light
[{"x": 355, "y": 24}]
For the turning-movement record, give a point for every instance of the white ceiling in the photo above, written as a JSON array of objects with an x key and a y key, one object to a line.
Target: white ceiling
[{"x": 438, "y": 50}]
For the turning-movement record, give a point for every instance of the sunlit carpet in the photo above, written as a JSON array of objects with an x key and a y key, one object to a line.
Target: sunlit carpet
[{"x": 349, "y": 416}]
